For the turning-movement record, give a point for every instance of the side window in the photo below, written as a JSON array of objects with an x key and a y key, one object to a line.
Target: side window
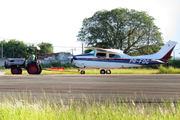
[
  {"x": 101, "y": 55},
  {"x": 114, "y": 56}
]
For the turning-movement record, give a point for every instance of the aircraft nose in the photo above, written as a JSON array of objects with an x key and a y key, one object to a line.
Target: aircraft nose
[{"x": 70, "y": 57}]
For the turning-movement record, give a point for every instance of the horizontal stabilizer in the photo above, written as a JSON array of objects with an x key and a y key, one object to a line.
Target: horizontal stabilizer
[{"x": 158, "y": 61}]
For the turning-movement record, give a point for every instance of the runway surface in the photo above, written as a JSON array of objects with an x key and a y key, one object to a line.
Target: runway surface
[{"x": 139, "y": 87}]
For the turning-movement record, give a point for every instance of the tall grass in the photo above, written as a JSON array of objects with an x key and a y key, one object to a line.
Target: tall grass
[
  {"x": 168, "y": 70},
  {"x": 29, "y": 108}
]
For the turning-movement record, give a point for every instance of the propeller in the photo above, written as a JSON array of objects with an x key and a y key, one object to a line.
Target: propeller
[{"x": 72, "y": 58}]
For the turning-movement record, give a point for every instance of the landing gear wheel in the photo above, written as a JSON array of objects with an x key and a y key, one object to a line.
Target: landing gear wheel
[
  {"x": 108, "y": 71},
  {"x": 82, "y": 72},
  {"x": 102, "y": 71},
  {"x": 15, "y": 70},
  {"x": 33, "y": 68}
]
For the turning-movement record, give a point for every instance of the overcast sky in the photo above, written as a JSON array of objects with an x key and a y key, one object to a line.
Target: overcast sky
[{"x": 58, "y": 21}]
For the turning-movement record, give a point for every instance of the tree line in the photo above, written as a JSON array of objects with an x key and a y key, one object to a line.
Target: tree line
[{"x": 15, "y": 49}]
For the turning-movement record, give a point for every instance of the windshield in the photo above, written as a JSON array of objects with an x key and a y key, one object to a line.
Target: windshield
[{"x": 92, "y": 52}]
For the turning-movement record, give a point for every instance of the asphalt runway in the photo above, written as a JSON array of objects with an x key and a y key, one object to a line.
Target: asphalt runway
[{"x": 139, "y": 87}]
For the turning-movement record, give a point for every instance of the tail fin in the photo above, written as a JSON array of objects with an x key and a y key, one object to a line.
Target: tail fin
[{"x": 165, "y": 52}]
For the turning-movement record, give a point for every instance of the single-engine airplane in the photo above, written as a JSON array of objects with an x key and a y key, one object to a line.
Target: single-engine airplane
[{"x": 113, "y": 58}]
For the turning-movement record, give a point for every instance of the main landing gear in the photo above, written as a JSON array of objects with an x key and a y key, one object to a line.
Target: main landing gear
[{"x": 102, "y": 71}]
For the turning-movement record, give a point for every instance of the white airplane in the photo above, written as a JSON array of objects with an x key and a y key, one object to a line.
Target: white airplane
[{"x": 113, "y": 58}]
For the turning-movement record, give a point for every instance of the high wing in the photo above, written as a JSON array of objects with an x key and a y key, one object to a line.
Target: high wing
[{"x": 105, "y": 50}]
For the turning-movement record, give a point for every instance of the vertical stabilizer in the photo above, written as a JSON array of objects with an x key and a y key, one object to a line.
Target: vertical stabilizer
[{"x": 165, "y": 52}]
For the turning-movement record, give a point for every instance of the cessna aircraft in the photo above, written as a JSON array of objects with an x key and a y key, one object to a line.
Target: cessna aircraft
[{"x": 113, "y": 58}]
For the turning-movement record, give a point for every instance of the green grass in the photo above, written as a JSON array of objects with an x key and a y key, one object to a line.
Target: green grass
[
  {"x": 26, "y": 107},
  {"x": 169, "y": 70},
  {"x": 94, "y": 71},
  {"x": 161, "y": 70}
]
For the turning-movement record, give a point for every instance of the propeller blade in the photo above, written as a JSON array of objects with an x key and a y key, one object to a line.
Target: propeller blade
[
  {"x": 71, "y": 61},
  {"x": 71, "y": 57}
]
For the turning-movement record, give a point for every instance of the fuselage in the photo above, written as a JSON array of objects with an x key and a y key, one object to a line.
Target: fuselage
[{"x": 120, "y": 60}]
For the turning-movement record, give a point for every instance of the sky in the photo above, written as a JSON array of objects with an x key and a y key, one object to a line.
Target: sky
[{"x": 59, "y": 21}]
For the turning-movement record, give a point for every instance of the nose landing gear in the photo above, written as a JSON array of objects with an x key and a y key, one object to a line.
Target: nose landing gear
[{"x": 82, "y": 72}]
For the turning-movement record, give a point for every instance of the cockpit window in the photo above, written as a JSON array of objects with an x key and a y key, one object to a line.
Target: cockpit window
[
  {"x": 114, "y": 56},
  {"x": 92, "y": 52}
]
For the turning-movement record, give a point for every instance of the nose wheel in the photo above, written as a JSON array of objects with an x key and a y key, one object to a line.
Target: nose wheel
[{"x": 82, "y": 72}]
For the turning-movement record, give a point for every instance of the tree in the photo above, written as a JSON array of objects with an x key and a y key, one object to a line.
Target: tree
[
  {"x": 15, "y": 49},
  {"x": 128, "y": 30},
  {"x": 45, "y": 48}
]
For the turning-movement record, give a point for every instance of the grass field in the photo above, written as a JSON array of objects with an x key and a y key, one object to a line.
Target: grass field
[
  {"x": 28, "y": 108},
  {"x": 161, "y": 70},
  {"x": 95, "y": 71}
]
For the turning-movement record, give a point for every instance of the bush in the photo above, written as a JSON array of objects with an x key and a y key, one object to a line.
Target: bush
[
  {"x": 174, "y": 63},
  {"x": 2, "y": 68}
]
